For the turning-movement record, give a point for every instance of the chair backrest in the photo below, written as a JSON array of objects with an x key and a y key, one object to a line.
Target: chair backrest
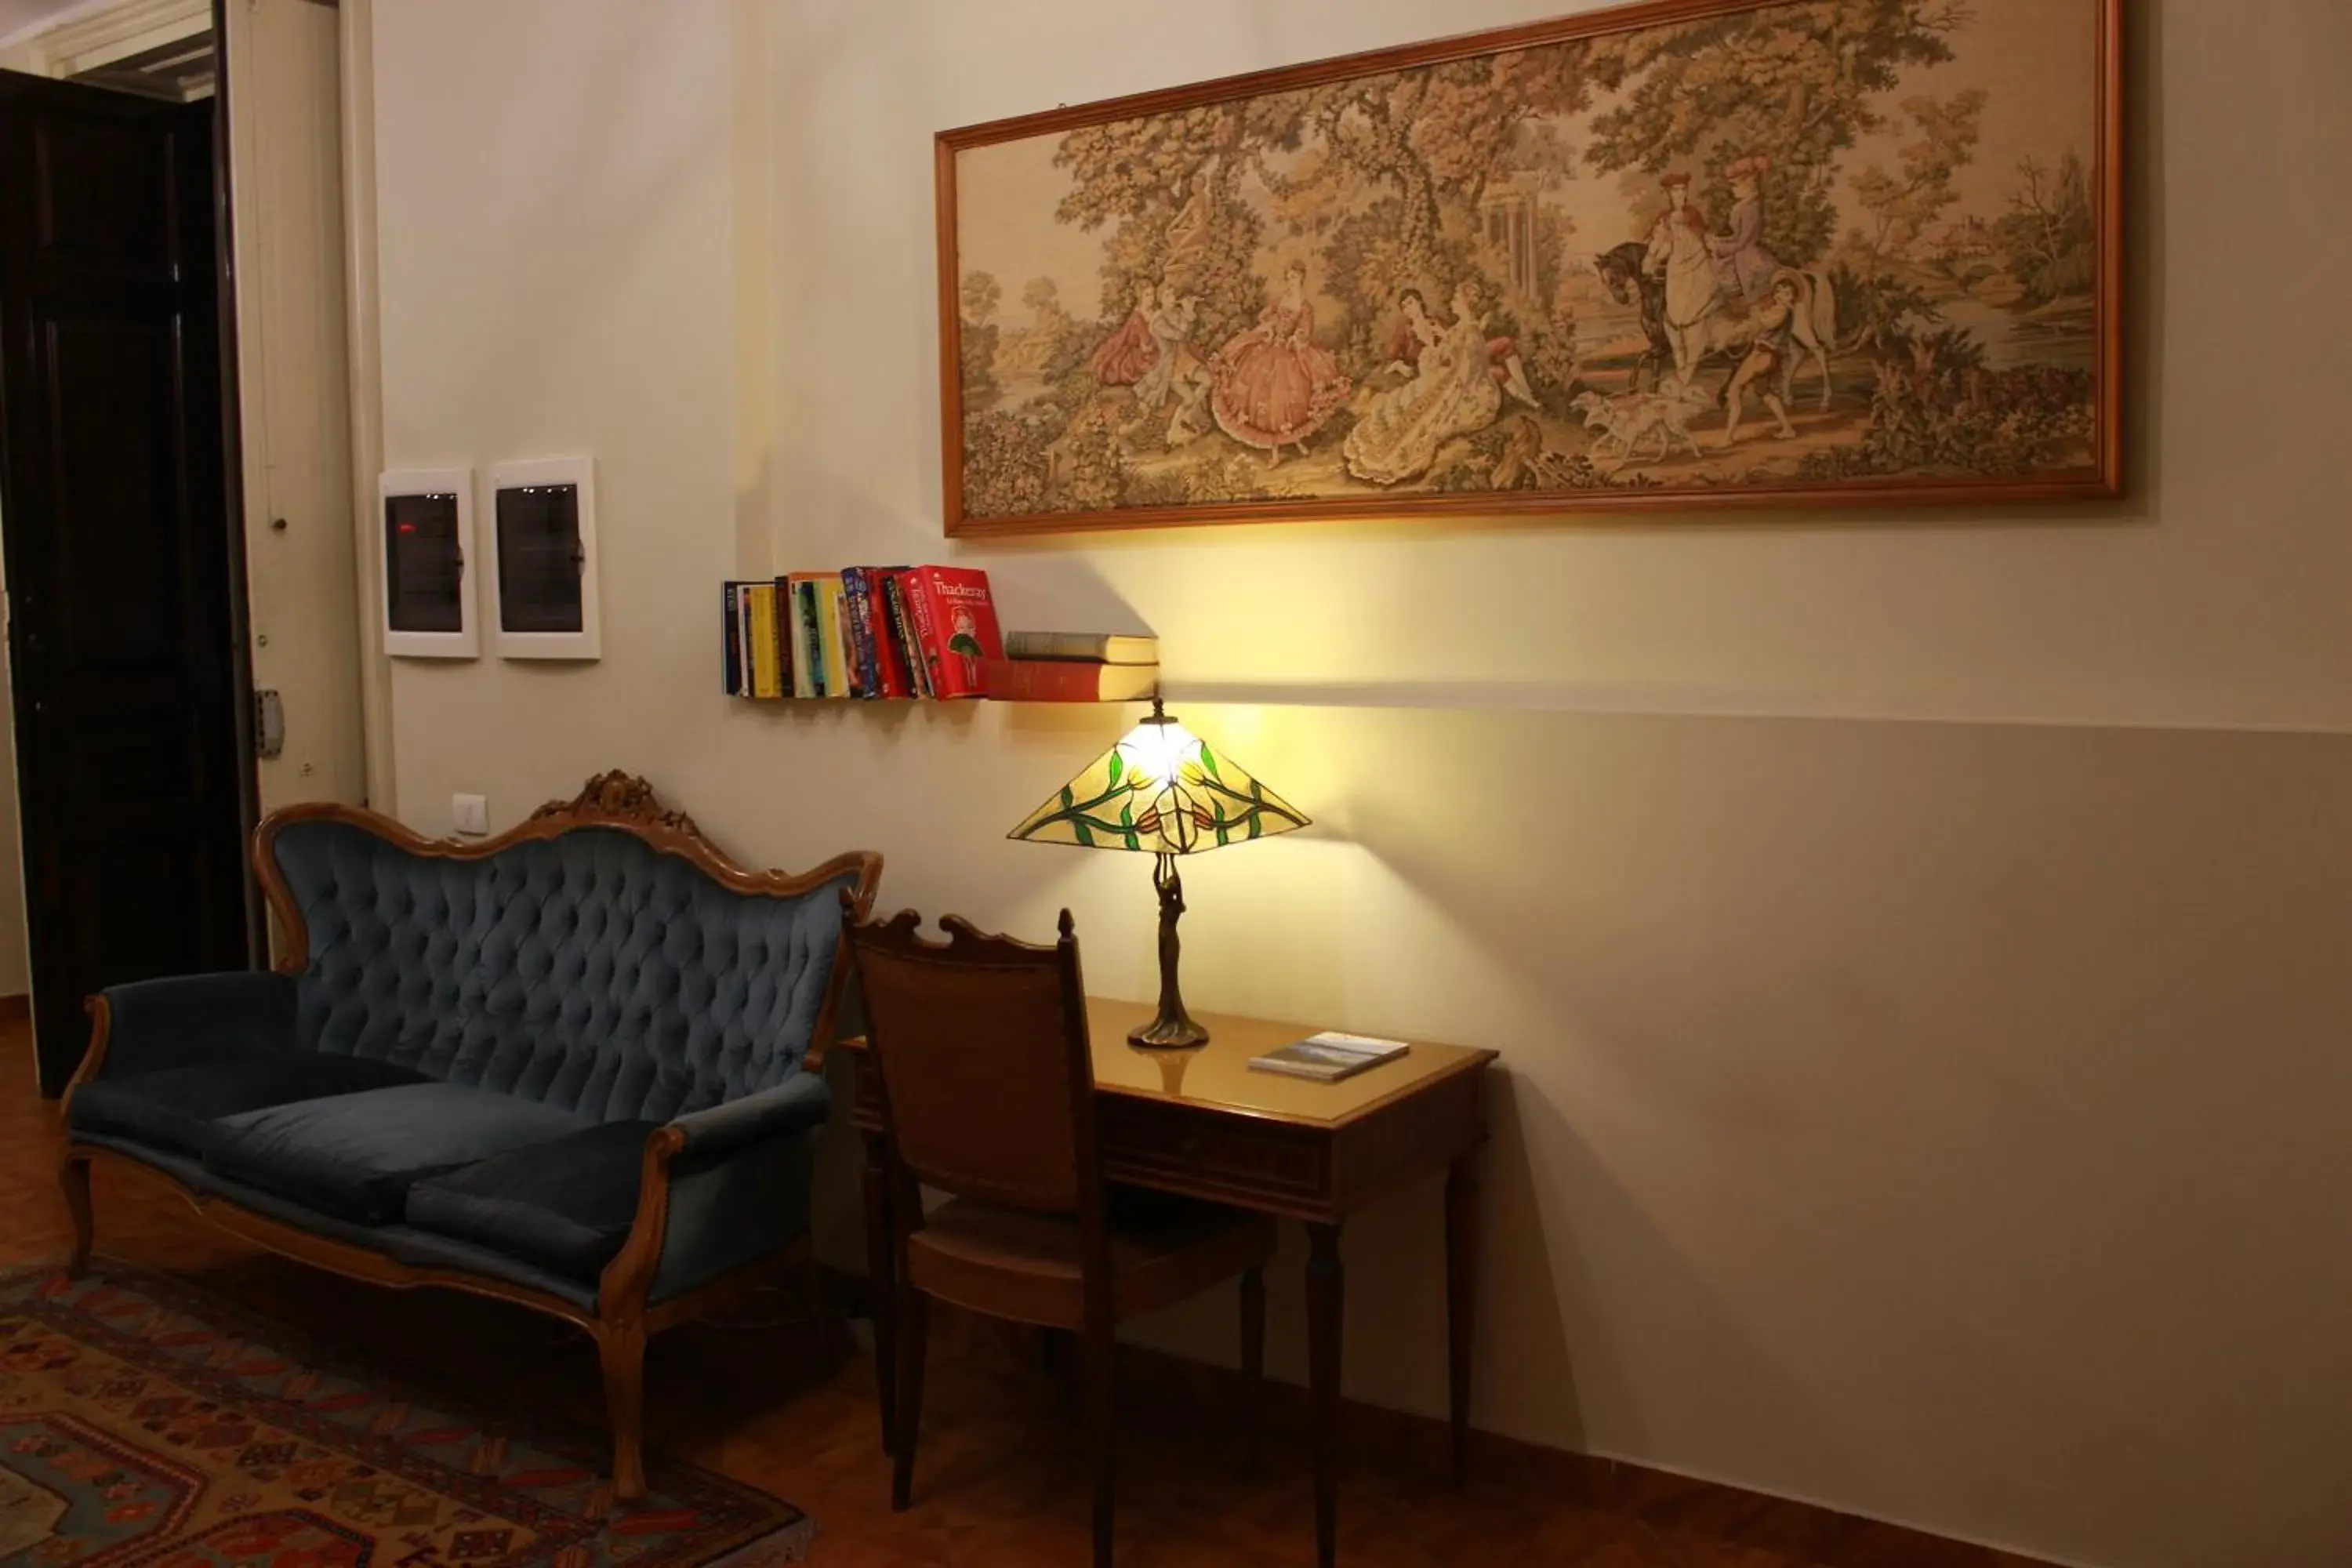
[{"x": 987, "y": 1082}]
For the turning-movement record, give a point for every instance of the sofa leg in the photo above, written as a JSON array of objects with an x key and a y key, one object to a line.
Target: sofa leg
[
  {"x": 74, "y": 1177},
  {"x": 622, "y": 1349}
]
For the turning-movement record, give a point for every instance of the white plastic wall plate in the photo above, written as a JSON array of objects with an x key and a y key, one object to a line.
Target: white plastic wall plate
[
  {"x": 588, "y": 641},
  {"x": 466, "y": 641}
]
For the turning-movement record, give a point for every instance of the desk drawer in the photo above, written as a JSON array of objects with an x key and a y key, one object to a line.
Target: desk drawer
[{"x": 1222, "y": 1155}]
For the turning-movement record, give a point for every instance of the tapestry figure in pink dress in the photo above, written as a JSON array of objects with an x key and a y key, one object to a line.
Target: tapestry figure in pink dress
[
  {"x": 1273, "y": 387},
  {"x": 1124, "y": 357}
]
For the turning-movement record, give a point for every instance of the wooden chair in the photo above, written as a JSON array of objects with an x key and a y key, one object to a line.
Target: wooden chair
[{"x": 988, "y": 1090}]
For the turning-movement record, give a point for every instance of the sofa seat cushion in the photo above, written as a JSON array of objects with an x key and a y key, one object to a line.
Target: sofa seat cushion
[
  {"x": 566, "y": 1205},
  {"x": 176, "y": 1108},
  {"x": 356, "y": 1155}
]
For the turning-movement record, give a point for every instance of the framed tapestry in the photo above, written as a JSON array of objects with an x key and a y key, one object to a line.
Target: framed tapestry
[{"x": 1680, "y": 255}]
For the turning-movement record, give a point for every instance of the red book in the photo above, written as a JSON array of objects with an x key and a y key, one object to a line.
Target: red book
[
  {"x": 955, "y": 620},
  {"x": 1066, "y": 680},
  {"x": 889, "y": 663}
]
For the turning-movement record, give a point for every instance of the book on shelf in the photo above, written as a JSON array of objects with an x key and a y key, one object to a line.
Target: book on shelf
[
  {"x": 833, "y": 674},
  {"x": 857, "y": 633},
  {"x": 767, "y": 674},
  {"x": 890, "y": 663},
  {"x": 855, "y": 673},
  {"x": 731, "y": 643},
  {"x": 955, "y": 626},
  {"x": 748, "y": 614},
  {"x": 753, "y": 659},
  {"x": 1066, "y": 680},
  {"x": 1091, "y": 647},
  {"x": 1329, "y": 1057},
  {"x": 775, "y": 636},
  {"x": 897, "y": 591},
  {"x": 808, "y": 647}
]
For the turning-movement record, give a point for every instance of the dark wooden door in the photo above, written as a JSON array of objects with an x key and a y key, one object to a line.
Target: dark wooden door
[{"x": 120, "y": 561}]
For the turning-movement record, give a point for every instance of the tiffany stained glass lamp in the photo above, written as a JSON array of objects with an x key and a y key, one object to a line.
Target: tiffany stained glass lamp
[{"x": 1161, "y": 792}]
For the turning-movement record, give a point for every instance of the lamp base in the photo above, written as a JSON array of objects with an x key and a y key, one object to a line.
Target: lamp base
[
  {"x": 1167, "y": 1034},
  {"x": 1174, "y": 1029}
]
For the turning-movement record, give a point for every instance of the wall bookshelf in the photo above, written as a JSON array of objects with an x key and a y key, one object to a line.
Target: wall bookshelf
[
  {"x": 912, "y": 634},
  {"x": 935, "y": 701}
]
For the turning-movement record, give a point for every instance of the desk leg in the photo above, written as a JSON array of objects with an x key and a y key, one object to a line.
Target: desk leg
[
  {"x": 1461, "y": 1298},
  {"x": 882, "y": 1282},
  {"x": 1325, "y": 1300}
]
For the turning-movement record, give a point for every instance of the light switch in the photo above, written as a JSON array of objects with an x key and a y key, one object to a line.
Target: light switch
[{"x": 470, "y": 813}]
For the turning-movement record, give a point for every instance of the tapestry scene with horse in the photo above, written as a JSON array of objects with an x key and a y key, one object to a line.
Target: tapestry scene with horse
[{"x": 1805, "y": 247}]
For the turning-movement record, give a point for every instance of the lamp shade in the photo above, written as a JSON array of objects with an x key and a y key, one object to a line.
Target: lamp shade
[{"x": 1160, "y": 791}]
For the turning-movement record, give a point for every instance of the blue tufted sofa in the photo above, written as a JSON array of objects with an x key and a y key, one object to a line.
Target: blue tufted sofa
[{"x": 570, "y": 1067}]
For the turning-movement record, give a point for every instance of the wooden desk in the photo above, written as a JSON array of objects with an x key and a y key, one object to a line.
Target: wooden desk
[{"x": 1199, "y": 1123}]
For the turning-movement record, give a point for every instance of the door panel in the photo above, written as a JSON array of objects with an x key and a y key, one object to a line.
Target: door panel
[
  {"x": 104, "y": 197},
  {"x": 112, "y": 417},
  {"x": 120, "y": 552}
]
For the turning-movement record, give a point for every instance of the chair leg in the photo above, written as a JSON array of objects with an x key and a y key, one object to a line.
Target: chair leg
[
  {"x": 621, "y": 1347},
  {"x": 881, "y": 1284},
  {"x": 74, "y": 1177},
  {"x": 1253, "y": 1360},
  {"x": 1101, "y": 1426},
  {"x": 913, "y": 1329}
]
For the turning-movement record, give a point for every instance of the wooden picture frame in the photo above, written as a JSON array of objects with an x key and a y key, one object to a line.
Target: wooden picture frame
[{"x": 1895, "y": 281}]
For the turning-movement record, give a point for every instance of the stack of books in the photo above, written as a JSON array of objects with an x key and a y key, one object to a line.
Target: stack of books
[
  {"x": 868, "y": 632},
  {"x": 1073, "y": 666}
]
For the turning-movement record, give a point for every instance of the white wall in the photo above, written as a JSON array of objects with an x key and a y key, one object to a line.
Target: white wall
[
  {"x": 23, "y": 15},
  {"x": 1914, "y": 941}
]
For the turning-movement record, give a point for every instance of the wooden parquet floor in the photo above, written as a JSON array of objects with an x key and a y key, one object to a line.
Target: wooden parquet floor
[{"x": 1001, "y": 1480}]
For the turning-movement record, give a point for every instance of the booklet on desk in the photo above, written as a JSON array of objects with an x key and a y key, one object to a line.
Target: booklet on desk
[{"x": 1330, "y": 1056}]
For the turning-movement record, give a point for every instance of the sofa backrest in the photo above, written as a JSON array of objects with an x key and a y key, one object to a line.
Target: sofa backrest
[{"x": 588, "y": 970}]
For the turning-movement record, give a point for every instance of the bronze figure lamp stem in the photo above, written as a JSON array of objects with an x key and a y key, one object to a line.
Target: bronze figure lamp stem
[
  {"x": 1174, "y": 1026},
  {"x": 1162, "y": 790}
]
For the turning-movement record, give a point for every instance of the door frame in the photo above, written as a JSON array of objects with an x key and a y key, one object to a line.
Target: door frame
[
  {"x": 355, "y": 27},
  {"x": 240, "y": 621}
]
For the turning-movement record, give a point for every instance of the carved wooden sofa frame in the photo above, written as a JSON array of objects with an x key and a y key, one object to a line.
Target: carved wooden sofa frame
[{"x": 623, "y": 1318}]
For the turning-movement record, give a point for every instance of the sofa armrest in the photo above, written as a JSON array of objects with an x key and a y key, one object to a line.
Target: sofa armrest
[
  {"x": 153, "y": 1023},
  {"x": 721, "y": 1188},
  {"x": 733, "y": 1209},
  {"x": 796, "y": 1105}
]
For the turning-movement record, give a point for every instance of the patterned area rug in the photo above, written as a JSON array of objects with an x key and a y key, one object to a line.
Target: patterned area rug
[{"x": 143, "y": 1422}]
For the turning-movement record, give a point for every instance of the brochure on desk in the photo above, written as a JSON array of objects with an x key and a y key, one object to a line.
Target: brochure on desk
[{"x": 1330, "y": 1056}]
